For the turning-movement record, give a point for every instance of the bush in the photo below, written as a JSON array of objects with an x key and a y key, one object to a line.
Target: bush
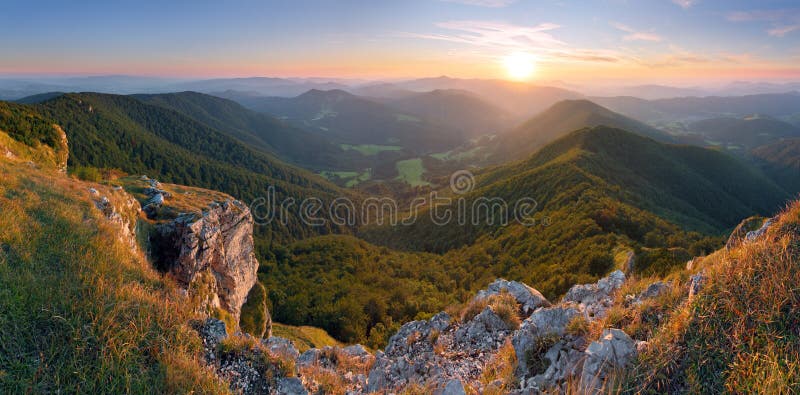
[{"x": 255, "y": 318}]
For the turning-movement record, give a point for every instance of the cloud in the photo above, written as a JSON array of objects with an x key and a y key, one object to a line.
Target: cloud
[
  {"x": 685, "y": 4},
  {"x": 496, "y": 34},
  {"x": 781, "y": 31},
  {"x": 499, "y": 38},
  {"x": 636, "y": 35},
  {"x": 484, "y": 3},
  {"x": 782, "y": 22}
]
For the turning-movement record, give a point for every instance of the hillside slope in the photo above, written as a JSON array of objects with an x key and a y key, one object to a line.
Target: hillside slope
[
  {"x": 256, "y": 129},
  {"x": 781, "y": 161},
  {"x": 82, "y": 311},
  {"x": 559, "y": 120},
  {"x": 687, "y": 108},
  {"x": 746, "y": 133},
  {"x": 737, "y": 333},
  {"x": 597, "y": 192},
  {"x": 112, "y": 131},
  {"x": 350, "y": 119},
  {"x": 456, "y": 109}
]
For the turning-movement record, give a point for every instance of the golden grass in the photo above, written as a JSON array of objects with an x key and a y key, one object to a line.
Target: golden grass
[
  {"x": 183, "y": 199},
  {"x": 500, "y": 368},
  {"x": 740, "y": 333},
  {"x": 502, "y": 304},
  {"x": 304, "y": 337},
  {"x": 80, "y": 311},
  {"x": 332, "y": 381}
]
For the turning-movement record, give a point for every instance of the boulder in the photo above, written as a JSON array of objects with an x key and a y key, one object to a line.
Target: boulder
[
  {"x": 528, "y": 298},
  {"x": 655, "y": 289},
  {"x": 482, "y": 333},
  {"x": 212, "y": 331},
  {"x": 550, "y": 321},
  {"x": 291, "y": 386},
  {"x": 614, "y": 350},
  {"x": 213, "y": 250},
  {"x": 281, "y": 346},
  {"x": 123, "y": 213},
  {"x": 758, "y": 233},
  {"x": 696, "y": 283},
  {"x": 739, "y": 233},
  {"x": 595, "y": 298},
  {"x": 453, "y": 387}
]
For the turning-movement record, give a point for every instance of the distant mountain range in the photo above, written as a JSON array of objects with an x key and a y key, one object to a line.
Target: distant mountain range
[
  {"x": 744, "y": 133},
  {"x": 559, "y": 120},
  {"x": 350, "y": 119},
  {"x": 695, "y": 108}
]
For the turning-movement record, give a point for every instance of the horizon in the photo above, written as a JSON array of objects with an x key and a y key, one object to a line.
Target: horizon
[{"x": 665, "y": 42}]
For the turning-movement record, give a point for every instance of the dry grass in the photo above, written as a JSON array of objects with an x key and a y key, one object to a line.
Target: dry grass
[
  {"x": 740, "y": 333},
  {"x": 184, "y": 199},
  {"x": 500, "y": 368},
  {"x": 328, "y": 380},
  {"x": 502, "y": 304},
  {"x": 304, "y": 337},
  {"x": 81, "y": 313}
]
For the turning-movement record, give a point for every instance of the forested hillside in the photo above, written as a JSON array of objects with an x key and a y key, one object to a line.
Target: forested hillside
[
  {"x": 599, "y": 191},
  {"x": 259, "y": 130},
  {"x": 559, "y": 120},
  {"x": 121, "y": 132},
  {"x": 350, "y": 119}
]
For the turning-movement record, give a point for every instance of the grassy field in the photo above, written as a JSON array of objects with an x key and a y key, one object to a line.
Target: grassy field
[
  {"x": 350, "y": 178},
  {"x": 411, "y": 171},
  {"x": 304, "y": 337},
  {"x": 370, "y": 149},
  {"x": 457, "y": 155},
  {"x": 81, "y": 312}
]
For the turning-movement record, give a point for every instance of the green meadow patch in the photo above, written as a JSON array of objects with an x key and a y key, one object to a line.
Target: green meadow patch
[{"x": 411, "y": 171}]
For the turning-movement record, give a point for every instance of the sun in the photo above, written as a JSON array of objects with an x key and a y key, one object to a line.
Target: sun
[{"x": 519, "y": 66}]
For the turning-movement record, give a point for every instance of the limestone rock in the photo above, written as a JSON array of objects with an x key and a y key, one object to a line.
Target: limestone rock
[
  {"x": 291, "y": 386},
  {"x": 281, "y": 346},
  {"x": 215, "y": 248},
  {"x": 482, "y": 332},
  {"x": 594, "y": 299},
  {"x": 528, "y": 298},
  {"x": 696, "y": 283},
  {"x": 123, "y": 213},
  {"x": 741, "y": 231},
  {"x": 550, "y": 321},
  {"x": 453, "y": 387},
  {"x": 654, "y": 290},
  {"x": 612, "y": 351}
]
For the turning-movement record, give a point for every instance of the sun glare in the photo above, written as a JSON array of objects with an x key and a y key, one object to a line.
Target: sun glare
[{"x": 519, "y": 66}]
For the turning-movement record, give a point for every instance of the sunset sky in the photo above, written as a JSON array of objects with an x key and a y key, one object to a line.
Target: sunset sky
[{"x": 679, "y": 41}]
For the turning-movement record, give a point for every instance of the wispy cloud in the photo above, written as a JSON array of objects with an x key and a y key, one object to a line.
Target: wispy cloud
[
  {"x": 685, "y": 4},
  {"x": 635, "y": 35},
  {"x": 781, "y": 31},
  {"x": 782, "y": 22},
  {"x": 484, "y": 3},
  {"x": 499, "y": 38}
]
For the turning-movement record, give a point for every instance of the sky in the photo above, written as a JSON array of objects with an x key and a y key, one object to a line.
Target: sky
[{"x": 677, "y": 41}]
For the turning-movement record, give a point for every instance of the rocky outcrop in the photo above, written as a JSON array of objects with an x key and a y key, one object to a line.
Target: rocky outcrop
[
  {"x": 595, "y": 299},
  {"x": 211, "y": 253},
  {"x": 250, "y": 366},
  {"x": 613, "y": 351},
  {"x": 747, "y": 230},
  {"x": 61, "y": 150},
  {"x": 122, "y": 212},
  {"x": 156, "y": 197},
  {"x": 445, "y": 356},
  {"x": 528, "y": 298}
]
